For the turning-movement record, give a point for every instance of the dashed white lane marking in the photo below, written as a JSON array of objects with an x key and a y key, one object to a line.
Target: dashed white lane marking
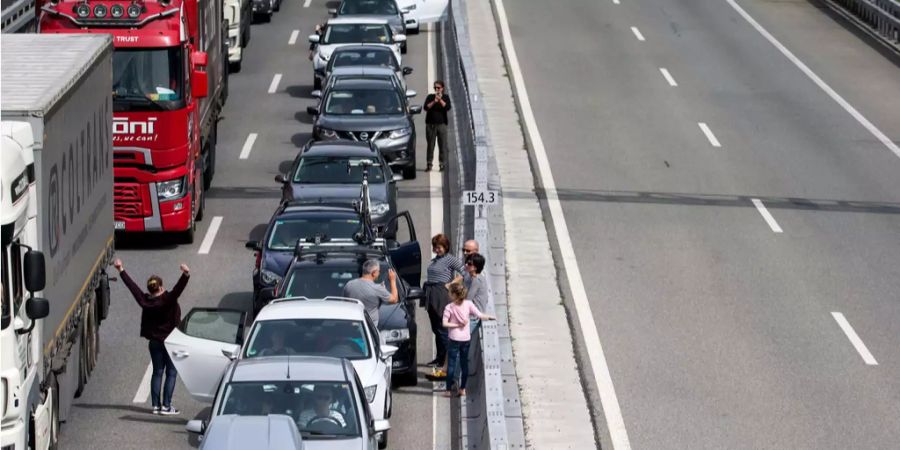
[
  {"x": 143, "y": 390},
  {"x": 616, "y": 2},
  {"x": 819, "y": 82},
  {"x": 709, "y": 134},
  {"x": 609, "y": 402},
  {"x": 854, "y": 339},
  {"x": 294, "y": 35},
  {"x": 668, "y": 76},
  {"x": 210, "y": 235},
  {"x": 764, "y": 212},
  {"x": 273, "y": 86},
  {"x": 306, "y": 3},
  {"x": 248, "y": 145},
  {"x": 637, "y": 34}
]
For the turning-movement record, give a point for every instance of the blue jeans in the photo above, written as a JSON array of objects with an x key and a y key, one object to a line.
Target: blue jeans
[
  {"x": 457, "y": 355},
  {"x": 162, "y": 362}
]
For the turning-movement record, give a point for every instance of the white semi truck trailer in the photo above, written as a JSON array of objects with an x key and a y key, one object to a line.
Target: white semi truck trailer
[{"x": 56, "y": 218}]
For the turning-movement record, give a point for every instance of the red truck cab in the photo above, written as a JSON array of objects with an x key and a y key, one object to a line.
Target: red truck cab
[{"x": 168, "y": 85}]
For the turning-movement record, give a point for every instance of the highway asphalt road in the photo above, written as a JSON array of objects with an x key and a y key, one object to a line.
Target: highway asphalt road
[
  {"x": 244, "y": 195},
  {"x": 737, "y": 228}
]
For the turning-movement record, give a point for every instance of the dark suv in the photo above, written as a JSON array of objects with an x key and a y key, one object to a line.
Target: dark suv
[
  {"x": 321, "y": 270},
  {"x": 369, "y": 110}
]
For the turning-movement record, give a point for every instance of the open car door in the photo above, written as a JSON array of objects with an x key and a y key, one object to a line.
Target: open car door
[
  {"x": 423, "y": 11},
  {"x": 199, "y": 345},
  {"x": 404, "y": 249}
]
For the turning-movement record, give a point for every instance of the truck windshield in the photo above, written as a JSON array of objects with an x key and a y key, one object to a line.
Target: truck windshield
[{"x": 148, "y": 79}]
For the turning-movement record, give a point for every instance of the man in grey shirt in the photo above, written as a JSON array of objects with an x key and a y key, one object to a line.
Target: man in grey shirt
[{"x": 370, "y": 293}]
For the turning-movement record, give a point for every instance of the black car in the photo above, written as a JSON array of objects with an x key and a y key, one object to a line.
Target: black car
[
  {"x": 263, "y": 9},
  {"x": 369, "y": 110},
  {"x": 291, "y": 222},
  {"x": 322, "y": 270},
  {"x": 332, "y": 172}
]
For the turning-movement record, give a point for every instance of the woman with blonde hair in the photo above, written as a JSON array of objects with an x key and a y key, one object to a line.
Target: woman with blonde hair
[{"x": 456, "y": 321}]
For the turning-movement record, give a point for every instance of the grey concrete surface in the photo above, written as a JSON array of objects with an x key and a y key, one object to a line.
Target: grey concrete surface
[
  {"x": 718, "y": 332},
  {"x": 245, "y": 195}
]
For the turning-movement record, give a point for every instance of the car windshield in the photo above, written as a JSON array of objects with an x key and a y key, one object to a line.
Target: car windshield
[
  {"x": 380, "y": 58},
  {"x": 322, "y": 281},
  {"x": 318, "y": 337},
  {"x": 320, "y": 409},
  {"x": 149, "y": 79},
  {"x": 369, "y": 33},
  {"x": 363, "y": 102},
  {"x": 286, "y": 232},
  {"x": 374, "y": 7},
  {"x": 336, "y": 170}
]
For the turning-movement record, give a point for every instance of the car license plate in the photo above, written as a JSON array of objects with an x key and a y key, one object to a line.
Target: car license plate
[{"x": 119, "y": 225}]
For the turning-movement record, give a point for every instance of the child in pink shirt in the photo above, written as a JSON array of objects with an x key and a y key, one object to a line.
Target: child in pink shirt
[{"x": 456, "y": 320}]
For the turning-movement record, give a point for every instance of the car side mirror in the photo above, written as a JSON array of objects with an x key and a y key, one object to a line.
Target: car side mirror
[
  {"x": 312, "y": 110},
  {"x": 195, "y": 426},
  {"x": 314, "y": 38},
  {"x": 230, "y": 354},
  {"x": 379, "y": 426},
  {"x": 397, "y": 177},
  {"x": 410, "y": 93},
  {"x": 37, "y": 308},
  {"x": 280, "y": 178},
  {"x": 332, "y": 12},
  {"x": 35, "y": 271},
  {"x": 399, "y": 38},
  {"x": 252, "y": 245},
  {"x": 388, "y": 350},
  {"x": 415, "y": 109},
  {"x": 407, "y": 70},
  {"x": 316, "y": 93},
  {"x": 199, "y": 84},
  {"x": 415, "y": 293}
]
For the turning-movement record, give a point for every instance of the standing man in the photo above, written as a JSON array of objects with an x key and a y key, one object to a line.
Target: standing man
[
  {"x": 159, "y": 316},
  {"x": 471, "y": 246},
  {"x": 436, "y": 107},
  {"x": 372, "y": 294}
]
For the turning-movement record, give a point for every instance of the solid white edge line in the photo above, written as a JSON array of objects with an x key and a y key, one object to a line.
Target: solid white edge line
[
  {"x": 210, "y": 235},
  {"x": 709, "y": 134},
  {"x": 143, "y": 391},
  {"x": 248, "y": 145},
  {"x": 608, "y": 399},
  {"x": 668, "y": 77},
  {"x": 854, "y": 339},
  {"x": 294, "y": 35},
  {"x": 819, "y": 82},
  {"x": 306, "y": 3},
  {"x": 436, "y": 203},
  {"x": 273, "y": 87},
  {"x": 766, "y": 215},
  {"x": 637, "y": 33}
]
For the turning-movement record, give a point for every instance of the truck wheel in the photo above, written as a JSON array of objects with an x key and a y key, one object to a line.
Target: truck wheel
[
  {"x": 82, "y": 377},
  {"x": 103, "y": 298},
  {"x": 54, "y": 414},
  {"x": 202, "y": 203},
  {"x": 210, "y": 169},
  {"x": 188, "y": 237},
  {"x": 235, "y": 67}
]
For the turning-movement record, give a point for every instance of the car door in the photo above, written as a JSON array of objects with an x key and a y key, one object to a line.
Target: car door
[
  {"x": 425, "y": 11},
  {"x": 404, "y": 248},
  {"x": 198, "y": 348}
]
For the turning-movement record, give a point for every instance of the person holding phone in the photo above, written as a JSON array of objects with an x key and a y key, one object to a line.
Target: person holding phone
[{"x": 436, "y": 107}]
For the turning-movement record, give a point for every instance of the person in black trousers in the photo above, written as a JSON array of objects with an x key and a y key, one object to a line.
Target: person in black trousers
[
  {"x": 436, "y": 107},
  {"x": 159, "y": 316},
  {"x": 440, "y": 271}
]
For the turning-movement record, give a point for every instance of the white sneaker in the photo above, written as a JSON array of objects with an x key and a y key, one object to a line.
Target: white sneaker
[
  {"x": 156, "y": 410},
  {"x": 169, "y": 411}
]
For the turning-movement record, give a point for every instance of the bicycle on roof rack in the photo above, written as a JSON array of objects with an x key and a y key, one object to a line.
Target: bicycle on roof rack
[{"x": 366, "y": 234}]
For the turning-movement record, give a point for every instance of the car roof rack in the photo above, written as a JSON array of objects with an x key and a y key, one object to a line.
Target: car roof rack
[
  {"x": 330, "y": 298},
  {"x": 320, "y": 245}
]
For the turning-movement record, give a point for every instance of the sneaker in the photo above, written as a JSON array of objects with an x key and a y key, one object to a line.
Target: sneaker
[
  {"x": 169, "y": 411},
  {"x": 156, "y": 409}
]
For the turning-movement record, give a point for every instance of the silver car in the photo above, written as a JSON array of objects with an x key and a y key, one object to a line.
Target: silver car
[
  {"x": 322, "y": 395},
  {"x": 386, "y": 10},
  {"x": 233, "y": 432}
]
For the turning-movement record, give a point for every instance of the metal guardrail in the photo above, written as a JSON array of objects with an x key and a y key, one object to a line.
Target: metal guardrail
[
  {"x": 17, "y": 15},
  {"x": 879, "y": 18},
  {"x": 491, "y": 414}
]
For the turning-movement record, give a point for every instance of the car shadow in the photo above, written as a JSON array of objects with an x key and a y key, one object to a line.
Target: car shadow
[
  {"x": 300, "y": 139},
  {"x": 300, "y": 91},
  {"x": 304, "y": 117},
  {"x": 237, "y": 300},
  {"x": 285, "y": 166},
  {"x": 148, "y": 241},
  {"x": 257, "y": 232}
]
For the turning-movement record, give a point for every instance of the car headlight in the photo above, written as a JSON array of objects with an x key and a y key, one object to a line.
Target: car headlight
[
  {"x": 326, "y": 133},
  {"x": 399, "y": 133},
  {"x": 370, "y": 392},
  {"x": 380, "y": 209},
  {"x": 397, "y": 335},
  {"x": 268, "y": 277},
  {"x": 168, "y": 190}
]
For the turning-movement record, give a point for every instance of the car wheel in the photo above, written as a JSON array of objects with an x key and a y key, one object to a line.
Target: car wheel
[
  {"x": 317, "y": 83},
  {"x": 409, "y": 172},
  {"x": 277, "y": 5},
  {"x": 383, "y": 440},
  {"x": 403, "y": 48},
  {"x": 409, "y": 378}
]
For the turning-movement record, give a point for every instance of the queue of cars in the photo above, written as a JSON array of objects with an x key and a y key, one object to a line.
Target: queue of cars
[{"x": 304, "y": 356}]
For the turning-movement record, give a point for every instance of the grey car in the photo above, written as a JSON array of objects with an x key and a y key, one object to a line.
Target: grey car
[
  {"x": 386, "y": 10},
  {"x": 369, "y": 73},
  {"x": 373, "y": 111},
  {"x": 233, "y": 432},
  {"x": 322, "y": 172},
  {"x": 369, "y": 56},
  {"x": 322, "y": 395}
]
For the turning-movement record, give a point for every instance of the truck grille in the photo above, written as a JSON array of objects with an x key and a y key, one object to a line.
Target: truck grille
[{"x": 128, "y": 200}]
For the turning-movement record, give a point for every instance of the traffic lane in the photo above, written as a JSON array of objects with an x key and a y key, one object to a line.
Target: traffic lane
[{"x": 707, "y": 351}]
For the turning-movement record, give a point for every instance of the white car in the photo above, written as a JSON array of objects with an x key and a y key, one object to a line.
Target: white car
[
  {"x": 208, "y": 338},
  {"x": 417, "y": 12},
  {"x": 341, "y": 32}
]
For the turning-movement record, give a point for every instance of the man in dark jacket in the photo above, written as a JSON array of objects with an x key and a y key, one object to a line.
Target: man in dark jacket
[
  {"x": 159, "y": 316},
  {"x": 436, "y": 107}
]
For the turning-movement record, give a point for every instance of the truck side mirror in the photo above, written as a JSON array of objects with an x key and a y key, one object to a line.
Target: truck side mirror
[
  {"x": 35, "y": 271},
  {"x": 199, "y": 83},
  {"x": 37, "y": 308}
]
